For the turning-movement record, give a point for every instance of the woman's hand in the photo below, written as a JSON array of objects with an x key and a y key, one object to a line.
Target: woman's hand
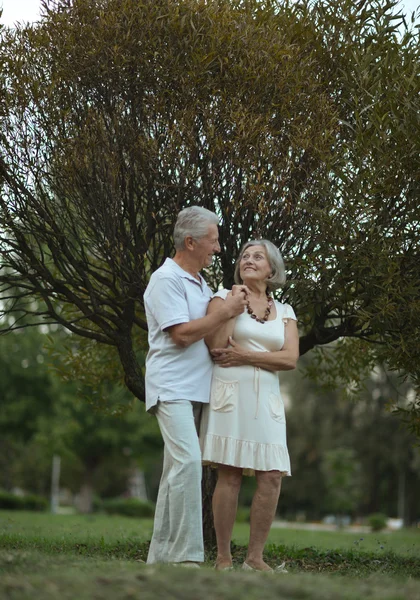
[{"x": 232, "y": 356}]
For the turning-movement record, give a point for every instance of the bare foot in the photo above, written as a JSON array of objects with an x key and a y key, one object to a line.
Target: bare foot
[{"x": 223, "y": 564}]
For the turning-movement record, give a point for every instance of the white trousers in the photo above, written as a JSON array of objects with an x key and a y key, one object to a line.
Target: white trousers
[{"x": 178, "y": 530}]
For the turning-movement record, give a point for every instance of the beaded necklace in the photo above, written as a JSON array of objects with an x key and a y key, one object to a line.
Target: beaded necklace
[{"x": 267, "y": 310}]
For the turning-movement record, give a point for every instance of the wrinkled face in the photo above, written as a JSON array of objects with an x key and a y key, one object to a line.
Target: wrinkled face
[
  {"x": 206, "y": 247},
  {"x": 254, "y": 265}
]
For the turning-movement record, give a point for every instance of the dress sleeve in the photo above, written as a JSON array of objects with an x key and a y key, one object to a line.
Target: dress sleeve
[
  {"x": 288, "y": 313},
  {"x": 221, "y": 294}
]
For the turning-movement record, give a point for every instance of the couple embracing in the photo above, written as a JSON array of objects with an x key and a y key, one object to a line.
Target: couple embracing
[{"x": 212, "y": 383}]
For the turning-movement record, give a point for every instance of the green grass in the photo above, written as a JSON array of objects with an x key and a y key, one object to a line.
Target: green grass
[
  {"x": 44, "y": 556},
  {"x": 75, "y": 528},
  {"x": 405, "y": 542},
  {"x": 114, "y": 530}
]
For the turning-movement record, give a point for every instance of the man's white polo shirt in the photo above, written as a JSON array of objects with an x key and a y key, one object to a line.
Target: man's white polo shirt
[{"x": 174, "y": 296}]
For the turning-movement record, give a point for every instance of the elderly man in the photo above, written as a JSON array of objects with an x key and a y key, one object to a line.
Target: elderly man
[{"x": 178, "y": 377}]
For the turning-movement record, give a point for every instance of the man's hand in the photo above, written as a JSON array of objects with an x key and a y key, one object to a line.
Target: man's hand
[
  {"x": 232, "y": 356},
  {"x": 238, "y": 289},
  {"x": 235, "y": 302}
]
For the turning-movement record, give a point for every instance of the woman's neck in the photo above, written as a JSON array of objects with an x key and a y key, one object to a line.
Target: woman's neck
[{"x": 257, "y": 289}]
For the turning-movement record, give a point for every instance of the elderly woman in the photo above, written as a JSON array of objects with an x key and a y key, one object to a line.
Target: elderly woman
[{"x": 243, "y": 429}]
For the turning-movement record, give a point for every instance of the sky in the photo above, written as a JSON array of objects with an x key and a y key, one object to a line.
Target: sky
[
  {"x": 28, "y": 10},
  {"x": 19, "y": 10}
]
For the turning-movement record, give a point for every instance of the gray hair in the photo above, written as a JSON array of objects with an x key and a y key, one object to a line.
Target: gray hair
[
  {"x": 275, "y": 259},
  {"x": 193, "y": 221}
]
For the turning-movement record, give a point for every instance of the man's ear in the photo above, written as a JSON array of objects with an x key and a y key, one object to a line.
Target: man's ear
[{"x": 189, "y": 243}]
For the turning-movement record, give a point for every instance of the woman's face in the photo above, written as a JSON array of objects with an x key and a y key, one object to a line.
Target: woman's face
[{"x": 254, "y": 265}]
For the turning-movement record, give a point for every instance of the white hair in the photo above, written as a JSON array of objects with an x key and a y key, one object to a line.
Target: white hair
[
  {"x": 193, "y": 221},
  {"x": 275, "y": 259}
]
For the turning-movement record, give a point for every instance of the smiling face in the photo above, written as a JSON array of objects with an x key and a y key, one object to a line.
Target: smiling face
[
  {"x": 205, "y": 247},
  {"x": 254, "y": 265}
]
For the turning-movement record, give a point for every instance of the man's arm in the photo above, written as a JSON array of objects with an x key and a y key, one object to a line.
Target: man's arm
[{"x": 185, "y": 334}]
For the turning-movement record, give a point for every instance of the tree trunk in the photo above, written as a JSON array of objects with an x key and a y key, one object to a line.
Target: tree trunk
[
  {"x": 134, "y": 378},
  {"x": 84, "y": 499},
  {"x": 208, "y": 485},
  {"x": 402, "y": 497},
  {"x": 55, "y": 483},
  {"x": 137, "y": 485},
  {"x": 84, "y": 502}
]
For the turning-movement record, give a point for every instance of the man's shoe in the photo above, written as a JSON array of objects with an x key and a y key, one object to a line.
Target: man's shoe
[{"x": 187, "y": 564}]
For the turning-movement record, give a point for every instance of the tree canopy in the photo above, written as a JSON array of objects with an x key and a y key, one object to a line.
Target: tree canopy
[{"x": 297, "y": 122}]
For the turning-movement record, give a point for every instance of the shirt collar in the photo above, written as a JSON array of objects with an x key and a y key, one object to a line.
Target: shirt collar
[{"x": 174, "y": 266}]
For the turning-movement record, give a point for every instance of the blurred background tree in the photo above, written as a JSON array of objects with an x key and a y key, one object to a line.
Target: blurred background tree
[
  {"x": 342, "y": 480},
  {"x": 322, "y": 421},
  {"x": 41, "y": 416}
]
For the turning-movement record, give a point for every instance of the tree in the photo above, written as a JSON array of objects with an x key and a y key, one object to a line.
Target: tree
[
  {"x": 27, "y": 394},
  {"x": 323, "y": 422},
  {"x": 294, "y": 121},
  {"x": 341, "y": 471},
  {"x": 41, "y": 416}
]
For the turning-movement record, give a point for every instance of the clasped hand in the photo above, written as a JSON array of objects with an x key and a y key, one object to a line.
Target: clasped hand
[{"x": 232, "y": 356}]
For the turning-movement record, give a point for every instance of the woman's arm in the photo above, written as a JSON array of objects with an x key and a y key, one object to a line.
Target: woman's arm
[
  {"x": 185, "y": 334},
  {"x": 281, "y": 360},
  {"x": 219, "y": 337}
]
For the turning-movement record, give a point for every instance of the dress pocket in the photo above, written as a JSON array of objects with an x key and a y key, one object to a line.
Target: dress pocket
[
  {"x": 224, "y": 395},
  {"x": 277, "y": 408}
]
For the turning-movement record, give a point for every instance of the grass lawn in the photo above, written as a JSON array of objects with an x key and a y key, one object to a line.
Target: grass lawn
[
  {"x": 405, "y": 543},
  {"x": 72, "y": 556}
]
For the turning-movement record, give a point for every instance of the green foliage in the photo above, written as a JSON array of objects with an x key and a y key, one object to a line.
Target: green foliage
[
  {"x": 342, "y": 477},
  {"x": 320, "y": 420},
  {"x": 243, "y": 514},
  {"x": 40, "y": 415},
  {"x": 10, "y": 501},
  {"x": 343, "y": 365},
  {"x": 410, "y": 414},
  {"x": 26, "y": 389},
  {"x": 129, "y": 507},
  {"x": 377, "y": 521},
  {"x": 95, "y": 371}
]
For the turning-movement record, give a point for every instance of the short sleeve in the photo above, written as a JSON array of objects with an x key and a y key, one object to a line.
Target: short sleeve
[
  {"x": 168, "y": 303},
  {"x": 288, "y": 313},
  {"x": 221, "y": 294}
]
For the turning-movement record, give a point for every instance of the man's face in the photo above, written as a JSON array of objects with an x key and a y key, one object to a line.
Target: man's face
[{"x": 206, "y": 247}]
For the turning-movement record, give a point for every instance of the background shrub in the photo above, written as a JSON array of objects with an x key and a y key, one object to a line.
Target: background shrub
[
  {"x": 242, "y": 514},
  {"x": 9, "y": 501},
  {"x": 130, "y": 507},
  {"x": 377, "y": 521}
]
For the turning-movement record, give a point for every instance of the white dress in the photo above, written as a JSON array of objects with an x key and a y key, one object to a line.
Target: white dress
[{"x": 244, "y": 425}]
